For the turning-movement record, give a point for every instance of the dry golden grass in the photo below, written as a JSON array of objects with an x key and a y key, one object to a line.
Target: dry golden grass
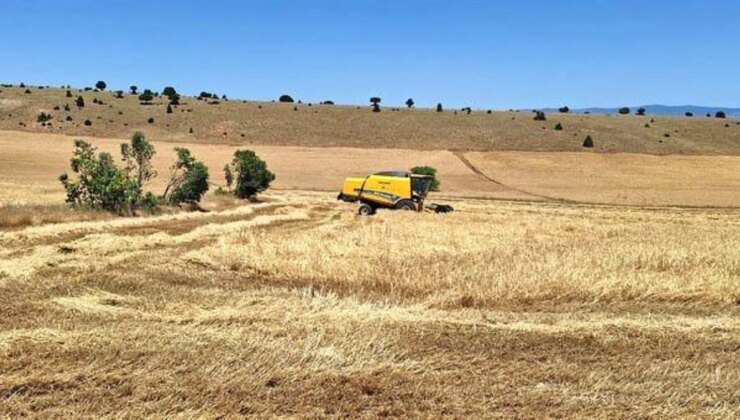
[
  {"x": 30, "y": 164},
  {"x": 296, "y": 307},
  {"x": 264, "y": 123}
]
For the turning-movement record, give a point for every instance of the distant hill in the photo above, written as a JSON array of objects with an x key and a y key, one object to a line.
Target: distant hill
[
  {"x": 662, "y": 110},
  {"x": 236, "y": 122}
]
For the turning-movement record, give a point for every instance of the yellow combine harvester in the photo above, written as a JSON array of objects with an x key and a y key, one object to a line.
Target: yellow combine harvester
[{"x": 391, "y": 190}]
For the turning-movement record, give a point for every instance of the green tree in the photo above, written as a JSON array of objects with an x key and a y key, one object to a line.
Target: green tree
[
  {"x": 285, "y": 98},
  {"x": 101, "y": 85},
  {"x": 169, "y": 91},
  {"x": 133, "y": 89},
  {"x": 439, "y": 107},
  {"x": 80, "y": 102},
  {"x": 188, "y": 179},
  {"x": 624, "y": 110},
  {"x": 588, "y": 142},
  {"x": 428, "y": 170},
  {"x": 252, "y": 175},
  {"x": 641, "y": 112},
  {"x": 99, "y": 183},
  {"x": 564, "y": 109},
  {"x": 169, "y": 109},
  {"x": 409, "y": 103},
  {"x": 138, "y": 156},
  {"x": 559, "y": 127},
  {"x": 720, "y": 114},
  {"x": 147, "y": 96}
]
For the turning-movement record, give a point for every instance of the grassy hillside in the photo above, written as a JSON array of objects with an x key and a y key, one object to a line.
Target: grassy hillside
[{"x": 237, "y": 122}]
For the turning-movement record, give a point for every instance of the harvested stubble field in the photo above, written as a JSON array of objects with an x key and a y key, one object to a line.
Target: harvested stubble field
[{"x": 296, "y": 307}]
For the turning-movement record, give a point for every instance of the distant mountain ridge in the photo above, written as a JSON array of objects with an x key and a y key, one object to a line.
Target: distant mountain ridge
[{"x": 666, "y": 110}]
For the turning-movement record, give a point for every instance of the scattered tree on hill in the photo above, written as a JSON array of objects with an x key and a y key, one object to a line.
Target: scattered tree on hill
[
  {"x": 69, "y": 118},
  {"x": 428, "y": 170},
  {"x": 68, "y": 94},
  {"x": 327, "y": 103},
  {"x": 439, "y": 107},
  {"x": 375, "y": 100},
  {"x": 641, "y": 112},
  {"x": 709, "y": 115},
  {"x": 80, "y": 102},
  {"x": 540, "y": 116},
  {"x": 119, "y": 94},
  {"x": 409, "y": 103},
  {"x": 101, "y": 85},
  {"x": 150, "y": 120},
  {"x": 169, "y": 109},
  {"x": 252, "y": 175},
  {"x": 588, "y": 142},
  {"x": 175, "y": 99},
  {"x": 624, "y": 110},
  {"x": 169, "y": 91},
  {"x": 720, "y": 114},
  {"x": 689, "y": 114},
  {"x": 228, "y": 176},
  {"x": 88, "y": 122},
  {"x": 564, "y": 109},
  {"x": 22, "y": 85},
  {"x": 376, "y": 107},
  {"x": 285, "y": 98},
  {"x": 133, "y": 89},
  {"x": 559, "y": 127},
  {"x": 147, "y": 97},
  {"x": 27, "y": 92},
  {"x": 188, "y": 179},
  {"x": 43, "y": 117}
]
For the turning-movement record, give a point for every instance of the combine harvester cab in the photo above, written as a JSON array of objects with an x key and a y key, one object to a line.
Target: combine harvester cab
[{"x": 396, "y": 190}]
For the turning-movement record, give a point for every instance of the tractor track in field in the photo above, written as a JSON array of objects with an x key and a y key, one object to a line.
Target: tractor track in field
[{"x": 461, "y": 156}]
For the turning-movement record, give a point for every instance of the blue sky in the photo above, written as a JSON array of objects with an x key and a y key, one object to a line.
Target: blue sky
[{"x": 485, "y": 54}]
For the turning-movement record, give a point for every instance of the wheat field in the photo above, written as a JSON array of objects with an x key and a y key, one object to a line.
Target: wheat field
[{"x": 296, "y": 307}]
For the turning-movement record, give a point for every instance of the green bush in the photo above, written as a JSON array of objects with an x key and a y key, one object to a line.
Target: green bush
[
  {"x": 169, "y": 109},
  {"x": 624, "y": 110},
  {"x": 559, "y": 127},
  {"x": 641, "y": 112},
  {"x": 720, "y": 114},
  {"x": 540, "y": 116},
  {"x": 564, "y": 109},
  {"x": 428, "y": 170},
  {"x": 285, "y": 98},
  {"x": 189, "y": 179},
  {"x": 80, "y": 102},
  {"x": 252, "y": 175},
  {"x": 588, "y": 142}
]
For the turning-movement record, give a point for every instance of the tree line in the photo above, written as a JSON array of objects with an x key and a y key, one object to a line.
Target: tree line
[{"x": 99, "y": 183}]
